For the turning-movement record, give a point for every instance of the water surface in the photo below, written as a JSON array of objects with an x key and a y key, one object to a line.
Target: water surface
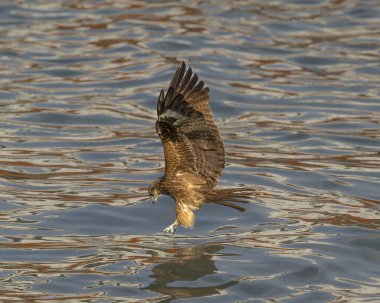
[{"x": 295, "y": 92}]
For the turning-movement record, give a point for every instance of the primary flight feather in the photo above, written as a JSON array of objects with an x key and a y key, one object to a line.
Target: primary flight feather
[{"x": 193, "y": 149}]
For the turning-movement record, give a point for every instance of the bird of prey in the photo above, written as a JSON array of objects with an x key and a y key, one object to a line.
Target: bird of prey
[{"x": 193, "y": 150}]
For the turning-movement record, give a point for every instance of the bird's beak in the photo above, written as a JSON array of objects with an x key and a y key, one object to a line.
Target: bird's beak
[{"x": 154, "y": 199}]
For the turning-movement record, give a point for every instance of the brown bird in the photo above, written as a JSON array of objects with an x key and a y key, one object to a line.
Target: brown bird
[{"x": 193, "y": 149}]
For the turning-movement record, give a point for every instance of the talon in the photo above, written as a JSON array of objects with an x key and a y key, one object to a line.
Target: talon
[{"x": 170, "y": 229}]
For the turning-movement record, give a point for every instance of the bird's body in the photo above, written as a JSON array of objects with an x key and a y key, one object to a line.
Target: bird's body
[{"x": 193, "y": 149}]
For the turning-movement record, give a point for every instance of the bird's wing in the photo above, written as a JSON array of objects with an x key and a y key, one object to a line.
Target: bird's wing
[{"x": 190, "y": 138}]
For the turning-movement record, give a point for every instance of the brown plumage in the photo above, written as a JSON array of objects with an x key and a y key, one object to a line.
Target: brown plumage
[{"x": 193, "y": 149}]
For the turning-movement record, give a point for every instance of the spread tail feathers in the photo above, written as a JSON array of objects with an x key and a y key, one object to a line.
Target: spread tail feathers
[{"x": 230, "y": 196}]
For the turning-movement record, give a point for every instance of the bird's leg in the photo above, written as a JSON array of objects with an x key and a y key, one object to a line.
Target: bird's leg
[{"x": 171, "y": 228}]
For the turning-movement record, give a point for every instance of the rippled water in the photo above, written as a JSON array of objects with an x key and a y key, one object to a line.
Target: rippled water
[{"x": 295, "y": 92}]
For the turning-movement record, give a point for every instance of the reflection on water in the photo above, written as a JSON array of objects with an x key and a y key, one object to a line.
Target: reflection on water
[
  {"x": 188, "y": 264},
  {"x": 295, "y": 91}
]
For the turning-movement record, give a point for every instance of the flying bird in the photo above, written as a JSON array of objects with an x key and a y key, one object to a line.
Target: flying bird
[{"x": 193, "y": 150}]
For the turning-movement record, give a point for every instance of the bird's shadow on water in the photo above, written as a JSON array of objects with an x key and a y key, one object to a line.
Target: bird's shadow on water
[{"x": 187, "y": 265}]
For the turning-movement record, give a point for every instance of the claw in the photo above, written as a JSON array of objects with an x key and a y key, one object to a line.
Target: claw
[{"x": 170, "y": 229}]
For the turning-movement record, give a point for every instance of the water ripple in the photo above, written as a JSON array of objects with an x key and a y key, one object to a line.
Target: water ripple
[{"x": 295, "y": 92}]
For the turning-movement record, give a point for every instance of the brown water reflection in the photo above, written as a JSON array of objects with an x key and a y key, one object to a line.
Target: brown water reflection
[
  {"x": 295, "y": 92},
  {"x": 189, "y": 264}
]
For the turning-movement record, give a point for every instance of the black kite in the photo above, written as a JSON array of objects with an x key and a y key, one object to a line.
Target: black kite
[{"x": 193, "y": 149}]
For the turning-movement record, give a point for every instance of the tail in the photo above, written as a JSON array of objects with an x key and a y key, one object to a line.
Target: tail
[{"x": 230, "y": 196}]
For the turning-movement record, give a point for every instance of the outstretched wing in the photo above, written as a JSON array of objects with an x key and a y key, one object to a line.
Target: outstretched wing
[{"x": 190, "y": 138}]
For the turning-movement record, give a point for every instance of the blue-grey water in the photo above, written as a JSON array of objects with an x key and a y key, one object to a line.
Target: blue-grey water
[{"x": 295, "y": 89}]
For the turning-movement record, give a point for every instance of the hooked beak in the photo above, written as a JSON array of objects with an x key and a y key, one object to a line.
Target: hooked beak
[{"x": 154, "y": 199}]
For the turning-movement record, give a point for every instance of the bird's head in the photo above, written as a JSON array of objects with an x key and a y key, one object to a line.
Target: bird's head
[{"x": 154, "y": 190}]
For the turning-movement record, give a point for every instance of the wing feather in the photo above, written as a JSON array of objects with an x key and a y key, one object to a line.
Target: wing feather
[
  {"x": 185, "y": 124},
  {"x": 186, "y": 80}
]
